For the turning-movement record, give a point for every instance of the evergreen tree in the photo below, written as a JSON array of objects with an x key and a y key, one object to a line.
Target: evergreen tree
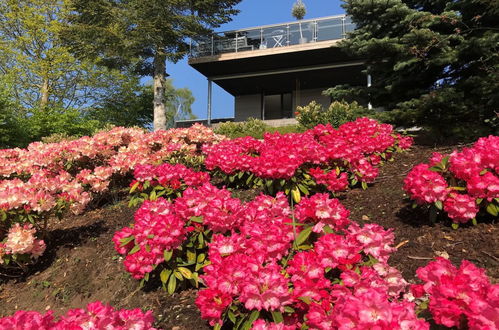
[
  {"x": 143, "y": 35},
  {"x": 435, "y": 61}
]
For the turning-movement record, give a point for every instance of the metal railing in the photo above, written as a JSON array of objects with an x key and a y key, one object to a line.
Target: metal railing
[{"x": 273, "y": 36}]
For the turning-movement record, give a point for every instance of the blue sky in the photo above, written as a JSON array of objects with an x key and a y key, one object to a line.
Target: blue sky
[{"x": 252, "y": 13}]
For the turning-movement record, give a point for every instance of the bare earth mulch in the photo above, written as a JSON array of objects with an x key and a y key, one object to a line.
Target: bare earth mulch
[{"x": 81, "y": 265}]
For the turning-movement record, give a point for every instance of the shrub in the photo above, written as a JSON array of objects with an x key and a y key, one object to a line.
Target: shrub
[
  {"x": 250, "y": 127},
  {"x": 339, "y": 112},
  {"x": 461, "y": 184}
]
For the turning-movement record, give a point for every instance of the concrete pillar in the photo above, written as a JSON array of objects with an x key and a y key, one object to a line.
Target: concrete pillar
[{"x": 209, "y": 100}]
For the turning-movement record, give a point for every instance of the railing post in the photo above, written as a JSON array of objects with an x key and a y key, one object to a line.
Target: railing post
[
  {"x": 236, "y": 40},
  {"x": 287, "y": 35},
  {"x": 343, "y": 28},
  {"x": 212, "y": 44},
  {"x": 316, "y": 31}
]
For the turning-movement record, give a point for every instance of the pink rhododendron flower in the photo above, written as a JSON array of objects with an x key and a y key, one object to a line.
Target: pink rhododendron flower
[{"x": 460, "y": 208}]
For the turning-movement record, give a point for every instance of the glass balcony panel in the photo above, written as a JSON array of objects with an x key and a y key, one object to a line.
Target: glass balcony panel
[
  {"x": 329, "y": 29},
  {"x": 306, "y": 35},
  {"x": 275, "y": 36},
  {"x": 349, "y": 25}
]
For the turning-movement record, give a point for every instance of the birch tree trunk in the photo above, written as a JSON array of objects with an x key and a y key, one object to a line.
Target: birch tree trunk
[
  {"x": 44, "y": 91},
  {"x": 159, "y": 91}
]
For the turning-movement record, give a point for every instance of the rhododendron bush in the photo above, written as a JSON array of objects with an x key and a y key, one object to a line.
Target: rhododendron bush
[
  {"x": 459, "y": 297},
  {"x": 322, "y": 158},
  {"x": 44, "y": 180},
  {"x": 463, "y": 185},
  {"x": 323, "y": 271},
  {"x": 95, "y": 316}
]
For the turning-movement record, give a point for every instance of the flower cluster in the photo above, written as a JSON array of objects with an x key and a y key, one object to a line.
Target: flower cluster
[
  {"x": 454, "y": 293},
  {"x": 460, "y": 184},
  {"x": 21, "y": 240},
  {"x": 95, "y": 316},
  {"x": 47, "y": 179},
  {"x": 161, "y": 226},
  {"x": 353, "y": 148},
  {"x": 156, "y": 229},
  {"x": 168, "y": 175},
  {"x": 251, "y": 273}
]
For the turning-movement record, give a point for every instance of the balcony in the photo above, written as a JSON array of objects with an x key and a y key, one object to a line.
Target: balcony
[{"x": 277, "y": 37}]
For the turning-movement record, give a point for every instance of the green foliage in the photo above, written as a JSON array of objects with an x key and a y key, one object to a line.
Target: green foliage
[
  {"x": 338, "y": 113},
  {"x": 299, "y": 10},
  {"x": 40, "y": 69},
  {"x": 254, "y": 128},
  {"x": 131, "y": 106},
  {"x": 436, "y": 60},
  {"x": 41, "y": 123}
]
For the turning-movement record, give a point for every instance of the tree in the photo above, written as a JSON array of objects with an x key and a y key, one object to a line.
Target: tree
[
  {"x": 137, "y": 102},
  {"x": 299, "y": 11},
  {"x": 142, "y": 35},
  {"x": 41, "y": 70},
  {"x": 437, "y": 60}
]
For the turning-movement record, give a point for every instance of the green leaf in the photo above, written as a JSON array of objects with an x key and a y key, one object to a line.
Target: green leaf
[
  {"x": 253, "y": 317},
  {"x": 455, "y": 225},
  {"x": 439, "y": 205},
  {"x": 288, "y": 309},
  {"x": 178, "y": 275},
  {"x": 304, "y": 234},
  {"x": 306, "y": 300},
  {"x": 153, "y": 195},
  {"x": 364, "y": 185},
  {"x": 126, "y": 240},
  {"x": 435, "y": 168},
  {"x": 191, "y": 255},
  {"x": 167, "y": 255},
  {"x": 231, "y": 316},
  {"x": 135, "y": 249},
  {"x": 473, "y": 221},
  {"x": 197, "y": 219},
  {"x": 134, "y": 187},
  {"x": 277, "y": 317},
  {"x": 172, "y": 284},
  {"x": 185, "y": 272},
  {"x": 201, "y": 257},
  {"x": 164, "y": 275},
  {"x": 295, "y": 193},
  {"x": 240, "y": 175},
  {"x": 303, "y": 189},
  {"x": 492, "y": 209}
]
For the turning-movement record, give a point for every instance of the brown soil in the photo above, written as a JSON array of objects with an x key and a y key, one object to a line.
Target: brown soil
[{"x": 81, "y": 265}]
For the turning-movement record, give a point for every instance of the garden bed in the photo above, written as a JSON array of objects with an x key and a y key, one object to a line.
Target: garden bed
[{"x": 81, "y": 265}]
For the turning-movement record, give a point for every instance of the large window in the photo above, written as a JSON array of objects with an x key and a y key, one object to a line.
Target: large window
[{"x": 278, "y": 106}]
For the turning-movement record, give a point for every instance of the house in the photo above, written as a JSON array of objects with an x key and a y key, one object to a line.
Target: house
[{"x": 272, "y": 69}]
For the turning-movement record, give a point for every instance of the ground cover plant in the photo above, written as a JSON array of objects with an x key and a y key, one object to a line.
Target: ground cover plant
[
  {"x": 463, "y": 185},
  {"x": 47, "y": 180},
  {"x": 322, "y": 158},
  {"x": 271, "y": 262}
]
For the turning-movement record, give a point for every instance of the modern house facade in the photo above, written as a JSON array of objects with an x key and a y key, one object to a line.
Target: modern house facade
[{"x": 272, "y": 69}]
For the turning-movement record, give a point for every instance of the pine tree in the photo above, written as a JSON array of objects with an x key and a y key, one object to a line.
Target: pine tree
[
  {"x": 143, "y": 35},
  {"x": 435, "y": 61}
]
